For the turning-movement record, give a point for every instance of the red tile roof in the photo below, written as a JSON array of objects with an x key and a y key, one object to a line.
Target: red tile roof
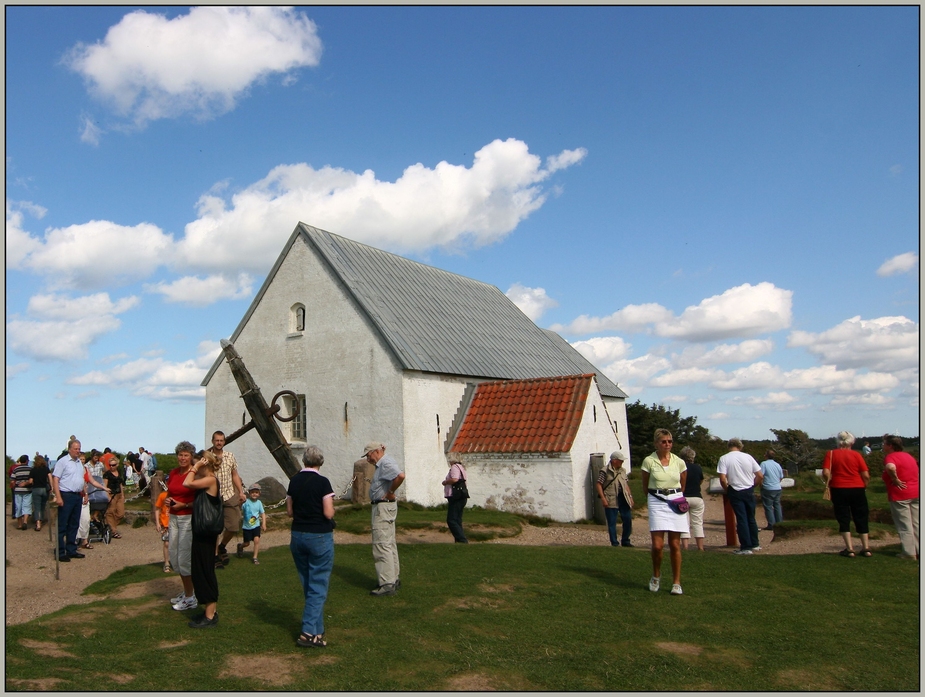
[{"x": 524, "y": 416}]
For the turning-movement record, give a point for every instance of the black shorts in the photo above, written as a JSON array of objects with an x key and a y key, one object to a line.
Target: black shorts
[{"x": 249, "y": 535}]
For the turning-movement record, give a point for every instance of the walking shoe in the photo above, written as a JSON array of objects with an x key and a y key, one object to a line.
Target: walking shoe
[
  {"x": 77, "y": 555},
  {"x": 203, "y": 622},
  {"x": 167, "y": 568},
  {"x": 186, "y": 604},
  {"x": 628, "y": 544},
  {"x": 223, "y": 555},
  {"x": 240, "y": 553},
  {"x": 742, "y": 551},
  {"x": 676, "y": 589},
  {"x": 397, "y": 584},
  {"x": 654, "y": 584},
  {"x": 177, "y": 599},
  {"x": 387, "y": 589},
  {"x": 218, "y": 562},
  {"x": 756, "y": 548},
  {"x": 256, "y": 560},
  {"x": 64, "y": 558}
]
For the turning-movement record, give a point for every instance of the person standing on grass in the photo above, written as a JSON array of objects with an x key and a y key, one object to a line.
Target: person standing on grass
[
  {"x": 310, "y": 504},
  {"x": 664, "y": 476},
  {"x": 115, "y": 484},
  {"x": 67, "y": 482},
  {"x": 772, "y": 474},
  {"x": 613, "y": 489},
  {"x": 738, "y": 474},
  {"x": 40, "y": 488},
  {"x": 865, "y": 451},
  {"x": 201, "y": 478},
  {"x": 845, "y": 473},
  {"x": 694, "y": 495},
  {"x": 901, "y": 475},
  {"x": 21, "y": 482},
  {"x": 455, "y": 506},
  {"x": 232, "y": 489},
  {"x": 180, "y": 501},
  {"x": 255, "y": 521},
  {"x": 162, "y": 525},
  {"x": 386, "y": 480}
]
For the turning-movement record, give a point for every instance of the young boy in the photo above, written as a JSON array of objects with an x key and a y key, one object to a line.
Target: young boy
[
  {"x": 162, "y": 525},
  {"x": 255, "y": 520}
]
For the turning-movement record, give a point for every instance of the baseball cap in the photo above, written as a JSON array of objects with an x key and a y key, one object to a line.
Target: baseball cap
[{"x": 374, "y": 445}]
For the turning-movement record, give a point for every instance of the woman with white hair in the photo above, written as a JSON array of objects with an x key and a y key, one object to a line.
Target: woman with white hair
[{"x": 847, "y": 476}]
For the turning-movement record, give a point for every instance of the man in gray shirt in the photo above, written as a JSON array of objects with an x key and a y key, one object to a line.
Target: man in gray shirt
[{"x": 387, "y": 478}]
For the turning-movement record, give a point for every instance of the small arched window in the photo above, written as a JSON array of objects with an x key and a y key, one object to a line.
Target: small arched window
[{"x": 297, "y": 318}]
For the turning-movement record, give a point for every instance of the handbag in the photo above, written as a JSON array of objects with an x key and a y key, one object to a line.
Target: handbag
[
  {"x": 678, "y": 505},
  {"x": 460, "y": 490},
  {"x": 208, "y": 517}
]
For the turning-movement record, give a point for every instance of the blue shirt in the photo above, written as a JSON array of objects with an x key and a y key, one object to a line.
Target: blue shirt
[
  {"x": 70, "y": 475},
  {"x": 772, "y": 475},
  {"x": 251, "y": 511},
  {"x": 386, "y": 470}
]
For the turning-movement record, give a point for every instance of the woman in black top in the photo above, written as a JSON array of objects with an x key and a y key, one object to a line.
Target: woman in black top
[
  {"x": 694, "y": 499},
  {"x": 201, "y": 477},
  {"x": 310, "y": 504},
  {"x": 40, "y": 488}
]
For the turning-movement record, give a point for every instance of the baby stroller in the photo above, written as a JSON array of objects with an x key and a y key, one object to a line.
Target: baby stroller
[{"x": 99, "y": 530}]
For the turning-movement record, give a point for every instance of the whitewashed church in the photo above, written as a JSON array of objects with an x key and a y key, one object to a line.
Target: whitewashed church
[{"x": 379, "y": 347}]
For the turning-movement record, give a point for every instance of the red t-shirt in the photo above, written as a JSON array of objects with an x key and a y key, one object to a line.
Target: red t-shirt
[
  {"x": 846, "y": 466},
  {"x": 178, "y": 492},
  {"x": 907, "y": 469}
]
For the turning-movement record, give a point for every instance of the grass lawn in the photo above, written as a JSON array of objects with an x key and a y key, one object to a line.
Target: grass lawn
[{"x": 501, "y": 617}]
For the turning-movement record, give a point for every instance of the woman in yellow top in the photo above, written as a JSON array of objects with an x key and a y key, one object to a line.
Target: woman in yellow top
[{"x": 664, "y": 475}]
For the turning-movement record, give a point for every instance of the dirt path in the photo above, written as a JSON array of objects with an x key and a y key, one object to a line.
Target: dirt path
[{"x": 31, "y": 565}]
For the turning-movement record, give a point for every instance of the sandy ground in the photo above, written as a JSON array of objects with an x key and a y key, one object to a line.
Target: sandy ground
[{"x": 31, "y": 564}]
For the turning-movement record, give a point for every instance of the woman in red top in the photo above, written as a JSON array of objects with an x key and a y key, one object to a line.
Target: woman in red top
[
  {"x": 846, "y": 475},
  {"x": 901, "y": 474},
  {"x": 180, "y": 503}
]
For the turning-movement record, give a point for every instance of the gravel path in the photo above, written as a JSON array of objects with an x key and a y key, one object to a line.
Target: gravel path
[{"x": 31, "y": 564}]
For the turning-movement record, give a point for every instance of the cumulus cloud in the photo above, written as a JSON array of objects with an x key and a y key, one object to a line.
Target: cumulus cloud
[
  {"x": 82, "y": 256},
  {"x": 776, "y": 401},
  {"x": 566, "y": 158},
  {"x": 149, "y": 67},
  {"x": 603, "y": 350},
  {"x": 533, "y": 302},
  {"x": 632, "y": 318},
  {"x": 884, "y": 344},
  {"x": 13, "y": 370},
  {"x": 742, "y": 311},
  {"x": 636, "y": 370},
  {"x": 157, "y": 378},
  {"x": 445, "y": 206},
  {"x": 901, "y": 263},
  {"x": 19, "y": 243},
  {"x": 89, "y": 131},
  {"x": 867, "y": 400},
  {"x": 81, "y": 320},
  {"x": 199, "y": 292},
  {"x": 699, "y": 357},
  {"x": 684, "y": 376}
]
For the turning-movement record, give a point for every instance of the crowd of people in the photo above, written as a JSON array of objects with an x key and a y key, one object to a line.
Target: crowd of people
[{"x": 204, "y": 505}]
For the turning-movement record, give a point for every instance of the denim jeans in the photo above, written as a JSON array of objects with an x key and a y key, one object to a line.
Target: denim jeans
[
  {"x": 313, "y": 554},
  {"x": 39, "y": 503},
  {"x": 743, "y": 505},
  {"x": 68, "y": 522},
  {"x": 626, "y": 517},
  {"x": 454, "y": 514},
  {"x": 773, "y": 512}
]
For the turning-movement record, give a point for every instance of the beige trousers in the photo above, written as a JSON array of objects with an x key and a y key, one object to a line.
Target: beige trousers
[{"x": 385, "y": 549}]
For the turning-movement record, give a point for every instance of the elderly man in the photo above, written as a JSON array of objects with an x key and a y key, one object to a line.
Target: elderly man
[
  {"x": 231, "y": 489},
  {"x": 67, "y": 481},
  {"x": 613, "y": 488},
  {"x": 386, "y": 480},
  {"x": 739, "y": 473}
]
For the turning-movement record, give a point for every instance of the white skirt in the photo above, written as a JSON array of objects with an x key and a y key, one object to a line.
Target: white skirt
[{"x": 662, "y": 518}]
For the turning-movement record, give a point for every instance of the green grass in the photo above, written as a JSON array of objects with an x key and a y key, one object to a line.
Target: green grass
[
  {"x": 500, "y": 617},
  {"x": 481, "y": 523}
]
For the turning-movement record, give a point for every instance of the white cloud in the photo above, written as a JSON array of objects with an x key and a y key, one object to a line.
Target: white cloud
[
  {"x": 868, "y": 400},
  {"x": 533, "y": 302},
  {"x": 699, "y": 357},
  {"x": 901, "y": 263},
  {"x": 566, "y": 158},
  {"x": 81, "y": 256},
  {"x": 758, "y": 376},
  {"x": 199, "y": 292},
  {"x": 684, "y": 376},
  {"x": 149, "y": 67},
  {"x": 777, "y": 401},
  {"x": 671, "y": 399},
  {"x": 13, "y": 370},
  {"x": 742, "y": 311},
  {"x": 89, "y": 132},
  {"x": 636, "y": 370},
  {"x": 884, "y": 344},
  {"x": 444, "y": 206},
  {"x": 632, "y": 318},
  {"x": 65, "y": 327},
  {"x": 719, "y": 416},
  {"x": 157, "y": 378},
  {"x": 19, "y": 243},
  {"x": 603, "y": 350}
]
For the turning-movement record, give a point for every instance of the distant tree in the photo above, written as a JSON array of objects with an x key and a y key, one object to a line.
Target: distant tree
[
  {"x": 642, "y": 421},
  {"x": 793, "y": 447}
]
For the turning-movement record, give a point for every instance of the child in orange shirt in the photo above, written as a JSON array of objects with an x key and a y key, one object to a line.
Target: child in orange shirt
[{"x": 162, "y": 524}]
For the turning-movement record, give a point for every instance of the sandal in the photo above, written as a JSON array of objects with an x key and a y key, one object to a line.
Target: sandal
[
  {"x": 866, "y": 553},
  {"x": 86, "y": 546},
  {"x": 116, "y": 536},
  {"x": 311, "y": 640},
  {"x": 846, "y": 553}
]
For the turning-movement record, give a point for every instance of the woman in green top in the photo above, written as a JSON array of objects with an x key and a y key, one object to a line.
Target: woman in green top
[{"x": 664, "y": 475}]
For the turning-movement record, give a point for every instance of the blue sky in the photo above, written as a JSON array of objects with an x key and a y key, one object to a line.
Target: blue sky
[{"x": 718, "y": 206}]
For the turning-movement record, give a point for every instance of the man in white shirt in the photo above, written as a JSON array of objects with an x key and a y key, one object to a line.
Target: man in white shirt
[{"x": 739, "y": 473}]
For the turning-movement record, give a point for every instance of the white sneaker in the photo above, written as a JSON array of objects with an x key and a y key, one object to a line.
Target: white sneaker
[
  {"x": 186, "y": 604},
  {"x": 756, "y": 548},
  {"x": 654, "y": 583},
  {"x": 742, "y": 551},
  {"x": 676, "y": 589},
  {"x": 182, "y": 596}
]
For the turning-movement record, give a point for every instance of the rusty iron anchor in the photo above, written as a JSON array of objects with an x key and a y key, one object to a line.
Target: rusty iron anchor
[{"x": 263, "y": 416}]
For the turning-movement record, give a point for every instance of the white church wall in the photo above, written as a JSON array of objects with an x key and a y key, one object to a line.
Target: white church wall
[{"x": 595, "y": 435}]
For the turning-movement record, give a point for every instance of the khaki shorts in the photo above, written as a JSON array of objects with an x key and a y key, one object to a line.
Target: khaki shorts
[{"x": 233, "y": 519}]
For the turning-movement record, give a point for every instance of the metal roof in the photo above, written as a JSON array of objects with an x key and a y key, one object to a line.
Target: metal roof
[{"x": 439, "y": 322}]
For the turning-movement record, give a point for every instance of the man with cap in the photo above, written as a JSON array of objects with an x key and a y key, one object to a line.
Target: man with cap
[
  {"x": 255, "y": 521},
  {"x": 613, "y": 488},
  {"x": 387, "y": 478}
]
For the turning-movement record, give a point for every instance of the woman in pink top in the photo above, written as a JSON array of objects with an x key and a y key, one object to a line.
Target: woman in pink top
[
  {"x": 901, "y": 474},
  {"x": 846, "y": 475}
]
